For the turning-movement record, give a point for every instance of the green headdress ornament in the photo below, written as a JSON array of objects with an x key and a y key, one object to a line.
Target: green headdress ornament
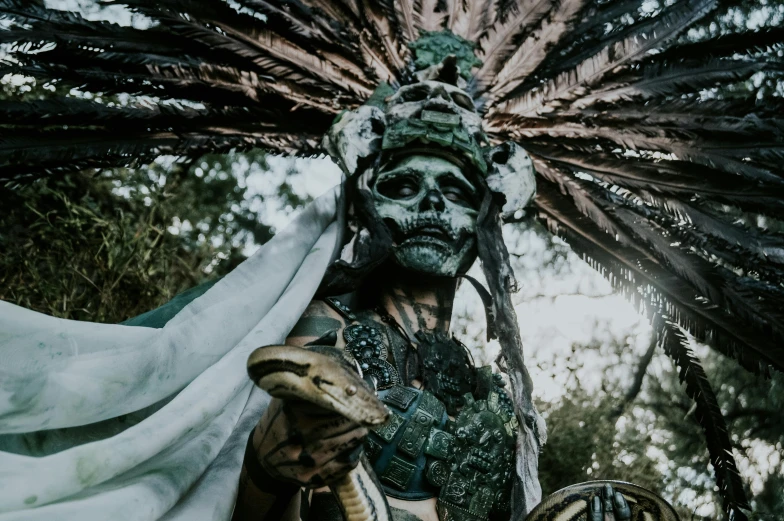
[
  {"x": 432, "y": 115},
  {"x": 433, "y": 48}
]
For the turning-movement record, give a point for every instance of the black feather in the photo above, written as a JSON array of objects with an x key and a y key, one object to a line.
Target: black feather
[
  {"x": 710, "y": 418},
  {"x": 655, "y": 253}
]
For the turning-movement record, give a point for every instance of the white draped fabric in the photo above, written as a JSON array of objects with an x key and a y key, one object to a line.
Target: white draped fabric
[{"x": 112, "y": 422}]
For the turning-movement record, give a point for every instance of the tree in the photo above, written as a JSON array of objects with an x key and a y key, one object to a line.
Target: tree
[{"x": 133, "y": 238}]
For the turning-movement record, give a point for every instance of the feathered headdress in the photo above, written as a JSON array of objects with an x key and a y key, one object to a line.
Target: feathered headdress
[{"x": 657, "y": 158}]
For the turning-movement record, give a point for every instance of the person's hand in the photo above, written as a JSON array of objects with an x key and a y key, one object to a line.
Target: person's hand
[
  {"x": 301, "y": 443},
  {"x": 610, "y": 506}
]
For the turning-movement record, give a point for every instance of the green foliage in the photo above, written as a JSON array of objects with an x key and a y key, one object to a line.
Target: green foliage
[
  {"x": 110, "y": 246},
  {"x": 583, "y": 444},
  {"x": 751, "y": 407},
  {"x": 106, "y": 246},
  {"x": 74, "y": 249},
  {"x": 655, "y": 441}
]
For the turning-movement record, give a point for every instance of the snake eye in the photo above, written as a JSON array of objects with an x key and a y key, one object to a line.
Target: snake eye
[{"x": 351, "y": 390}]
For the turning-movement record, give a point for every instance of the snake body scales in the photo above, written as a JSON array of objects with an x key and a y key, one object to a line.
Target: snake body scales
[{"x": 296, "y": 373}]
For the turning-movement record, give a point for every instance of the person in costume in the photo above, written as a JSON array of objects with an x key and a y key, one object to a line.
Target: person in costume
[
  {"x": 425, "y": 195},
  {"x": 150, "y": 420}
]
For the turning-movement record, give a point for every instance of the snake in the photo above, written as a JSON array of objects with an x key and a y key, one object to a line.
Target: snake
[{"x": 325, "y": 377}]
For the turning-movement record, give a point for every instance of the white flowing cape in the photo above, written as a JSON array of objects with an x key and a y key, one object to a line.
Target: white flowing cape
[{"x": 111, "y": 422}]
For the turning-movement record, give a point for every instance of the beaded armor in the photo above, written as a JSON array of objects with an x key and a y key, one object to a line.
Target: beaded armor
[{"x": 454, "y": 440}]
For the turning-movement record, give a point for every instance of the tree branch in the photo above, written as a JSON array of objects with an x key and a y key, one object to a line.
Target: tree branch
[{"x": 639, "y": 378}]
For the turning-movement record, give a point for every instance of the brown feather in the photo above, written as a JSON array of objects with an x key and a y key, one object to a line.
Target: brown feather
[
  {"x": 498, "y": 43},
  {"x": 669, "y": 177},
  {"x": 527, "y": 57},
  {"x": 753, "y": 160},
  {"x": 469, "y": 18},
  {"x": 647, "y": 283},
  {"x": 429, "y": 16},
  {"x": 709, "y": 416},
  {"x": 575, "y": 83},
  {"x": 381, "y": 33},
  {"x": 283, "y": 50},
  {"x": 669, "y": 79},
  {"x": 406, "y": 17}
]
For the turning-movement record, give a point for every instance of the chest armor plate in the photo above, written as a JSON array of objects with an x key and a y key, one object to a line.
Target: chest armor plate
[
  {"x": 401, "y": 449},
  {"x": 466, "y": 462}
]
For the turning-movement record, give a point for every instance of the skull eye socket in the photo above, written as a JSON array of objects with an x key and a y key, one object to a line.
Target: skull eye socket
[
  {"x": 463, "y": 101},
  {"x": 403, "y": 187},
  {"x": 456, "y": 194},
  {"x": 414, "y": 94}
]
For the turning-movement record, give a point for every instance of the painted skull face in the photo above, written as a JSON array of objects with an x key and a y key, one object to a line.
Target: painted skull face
[{"x": 430, "y": 208}]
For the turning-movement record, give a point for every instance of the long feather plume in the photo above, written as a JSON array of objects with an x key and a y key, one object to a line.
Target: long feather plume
[
  {"x": 499, "y": 41},
  {"x": 572, "y": 84},
  {"x": 407, "y": 18},
  {"x": 710, "y": 418}
]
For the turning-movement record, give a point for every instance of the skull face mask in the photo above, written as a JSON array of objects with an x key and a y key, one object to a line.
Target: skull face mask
[
  {"x": 430, "y": 207},
  {"x": 403, "y": 147}
]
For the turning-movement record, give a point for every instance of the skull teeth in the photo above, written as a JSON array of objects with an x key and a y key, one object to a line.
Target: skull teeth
[{"x": 411, "y": 224}]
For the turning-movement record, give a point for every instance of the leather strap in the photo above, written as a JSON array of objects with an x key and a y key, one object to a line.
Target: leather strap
[{"x": 342, "y": 309}]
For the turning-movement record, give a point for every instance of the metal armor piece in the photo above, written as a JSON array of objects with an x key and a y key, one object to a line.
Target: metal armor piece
[
  {"x": 342, "y": 309},
  {"x": 447, "y": 370},
  {"x": 368, "y": 345},
  {"x": 467, "y": 463},
  {"x": 573, "y": 503},
  {"x": 435, "y": 112},
  {"x": 481, "y": 463},
  {"x": 420, "y": 453},
  {"x": 401, "y": 450},
  {"x": 365, "y": 341}
]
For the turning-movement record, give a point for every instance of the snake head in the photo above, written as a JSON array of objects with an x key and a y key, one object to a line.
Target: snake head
[{"x": 326, "y": 380}]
